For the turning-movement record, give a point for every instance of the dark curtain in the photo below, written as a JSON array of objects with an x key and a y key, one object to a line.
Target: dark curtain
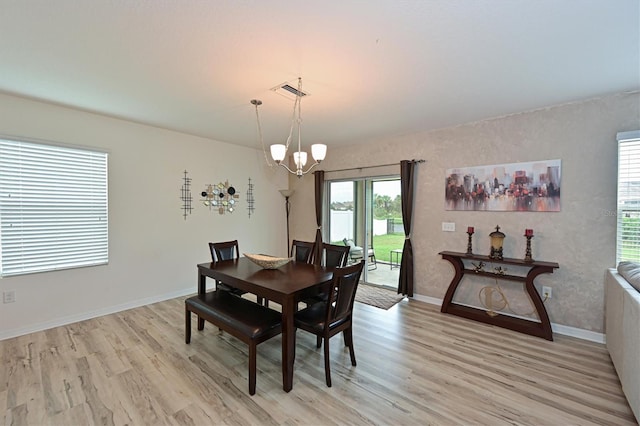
[
  {"x": 405, "y": 282},
  {"x": 319, "y": 183}
]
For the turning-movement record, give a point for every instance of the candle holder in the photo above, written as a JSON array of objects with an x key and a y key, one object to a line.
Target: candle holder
[
  {"x": 469, "y": 248},
  {"x": 527, "y": 255}
]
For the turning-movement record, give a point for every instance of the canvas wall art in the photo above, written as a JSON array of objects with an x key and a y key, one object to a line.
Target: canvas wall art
[{"x": 519, "y": 187}]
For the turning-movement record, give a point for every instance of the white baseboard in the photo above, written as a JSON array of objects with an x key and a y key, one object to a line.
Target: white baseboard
[
  {"x": 580, "y": 333},
  {"x": 556, "y": 328},
  {"x": 93, "y": 314}
]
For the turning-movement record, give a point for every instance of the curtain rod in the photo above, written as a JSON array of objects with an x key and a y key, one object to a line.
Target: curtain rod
[{"x": 370, "y": 167}]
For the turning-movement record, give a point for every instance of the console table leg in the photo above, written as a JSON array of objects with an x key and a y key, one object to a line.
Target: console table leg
[{"x": 453, "y": 286}]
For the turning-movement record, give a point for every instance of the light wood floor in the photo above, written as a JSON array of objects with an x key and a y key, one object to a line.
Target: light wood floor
[{"x": 415, "y": 366}]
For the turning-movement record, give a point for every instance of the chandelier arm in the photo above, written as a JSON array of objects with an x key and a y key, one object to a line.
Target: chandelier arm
[
  {"x": 296, "y": 107},
  {"x": 299, "y": 170},
  {"x": 299, "y": 130},
  {"x": 299, "y": 121},
  {"x": 259, "y": 126},
  {"x": 310, "y": 167},
  {"x": 286, "y": 167}
]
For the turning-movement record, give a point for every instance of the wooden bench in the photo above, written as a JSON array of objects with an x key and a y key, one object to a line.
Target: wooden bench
[{"x": 243, "y": 319}]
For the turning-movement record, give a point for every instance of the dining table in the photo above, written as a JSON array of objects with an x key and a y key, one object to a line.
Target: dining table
[{"x": 285, "y": 285}]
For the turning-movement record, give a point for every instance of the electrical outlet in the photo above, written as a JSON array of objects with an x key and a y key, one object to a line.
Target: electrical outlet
[
  {"x": 546, "y": 292},
  {"x": 449, "y": 226},
  {"x": 9, "y": 296}
]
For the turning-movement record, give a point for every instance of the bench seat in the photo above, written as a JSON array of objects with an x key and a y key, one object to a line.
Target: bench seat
[{"x": 243, "y": 319}]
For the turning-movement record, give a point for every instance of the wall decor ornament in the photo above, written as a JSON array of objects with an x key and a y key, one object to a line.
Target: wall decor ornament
[
  {"x": 532, "y": 187},
  {"x": 250, "y": 199},
  {"x": 185, "y": 195},
  {"x": 221, "y": 197}
]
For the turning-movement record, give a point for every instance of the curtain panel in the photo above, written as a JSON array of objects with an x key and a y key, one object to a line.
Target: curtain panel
[
  {"x": 319, "y": 186},
  {"x": 405, "y": 282}
]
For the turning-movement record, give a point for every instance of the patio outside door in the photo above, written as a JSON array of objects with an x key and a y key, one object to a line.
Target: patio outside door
[{"x": 368, "y": 212}]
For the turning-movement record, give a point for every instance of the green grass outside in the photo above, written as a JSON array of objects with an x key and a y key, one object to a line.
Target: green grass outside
[{"x": 383, "y": 244}]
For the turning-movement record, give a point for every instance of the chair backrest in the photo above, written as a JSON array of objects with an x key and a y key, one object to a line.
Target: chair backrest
[
  {"x": 225, "y": 250},
  {"x": 344, "y": 284},
  {"x": 302, "y": 251},
  {"x": 335, "y": 255}
]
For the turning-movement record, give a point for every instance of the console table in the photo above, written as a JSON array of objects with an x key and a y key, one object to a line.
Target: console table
[{"x": 534, "y": 328}]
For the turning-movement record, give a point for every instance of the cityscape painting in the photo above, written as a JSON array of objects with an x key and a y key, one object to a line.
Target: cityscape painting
[{"x": 518, "y": 187}]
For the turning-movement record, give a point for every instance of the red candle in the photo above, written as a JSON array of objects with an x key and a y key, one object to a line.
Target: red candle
[
  {"x": 528, "y": 232},
  {"x": 470, "y": 230}
]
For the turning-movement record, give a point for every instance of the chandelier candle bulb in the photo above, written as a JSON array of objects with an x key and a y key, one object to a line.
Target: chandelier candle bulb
[
  {"x": 278, "y": 151},
  {"x": 300, "y": 158},
  {"x": 318, "y": 151}
]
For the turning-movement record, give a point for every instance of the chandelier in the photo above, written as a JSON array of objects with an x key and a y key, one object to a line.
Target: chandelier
[{"x": 279, "y": 151}]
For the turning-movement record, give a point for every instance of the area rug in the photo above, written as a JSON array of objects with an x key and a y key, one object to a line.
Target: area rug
[{"x": 377, "y": 296}]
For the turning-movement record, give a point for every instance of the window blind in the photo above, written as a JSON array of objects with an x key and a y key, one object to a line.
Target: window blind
[
  {"x": 53, "y": 207},
  {"x": 628, "y": 214}
]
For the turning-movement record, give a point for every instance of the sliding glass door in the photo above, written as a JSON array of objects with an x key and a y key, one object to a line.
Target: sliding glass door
[{"x": 366, "y": 215}]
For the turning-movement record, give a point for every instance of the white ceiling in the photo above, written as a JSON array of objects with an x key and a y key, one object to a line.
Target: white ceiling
[{"x": 372, "y": 68}]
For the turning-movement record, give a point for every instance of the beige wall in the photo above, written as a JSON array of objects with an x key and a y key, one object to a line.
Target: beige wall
[
  {"x": 153, "y": 251},
  {"x": 581, "y": 238}
]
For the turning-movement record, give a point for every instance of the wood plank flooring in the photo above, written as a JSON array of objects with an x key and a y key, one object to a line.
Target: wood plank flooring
[{"x": 415, "y": 366}]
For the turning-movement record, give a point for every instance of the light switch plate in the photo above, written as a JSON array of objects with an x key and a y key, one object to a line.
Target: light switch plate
[
  {"x": 449, "y": 226},
  {"x": 9, "y": 296}
]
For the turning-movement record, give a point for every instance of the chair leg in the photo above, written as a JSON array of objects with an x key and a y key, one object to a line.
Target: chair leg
[
  {"x": 200, "y": 323},
  {"x": 252, "y": 368},
  {"x": 348, "y": 336},
  {"x": 318, "y": 341},
  {"x": 187, "y": 323},
  {"x": 327, "y": 367}
]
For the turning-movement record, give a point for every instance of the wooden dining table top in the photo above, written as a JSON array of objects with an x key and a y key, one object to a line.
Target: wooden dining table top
[{"x": 274, "y": 284}]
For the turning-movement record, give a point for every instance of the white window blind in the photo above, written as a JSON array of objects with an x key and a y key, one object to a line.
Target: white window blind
[
  {"x": 53, "y": 207},
  {"x": 628, "y": 214}
]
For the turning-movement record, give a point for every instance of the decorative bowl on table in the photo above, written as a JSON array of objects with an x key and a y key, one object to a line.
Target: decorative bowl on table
[{"x": 268, "y": 262}]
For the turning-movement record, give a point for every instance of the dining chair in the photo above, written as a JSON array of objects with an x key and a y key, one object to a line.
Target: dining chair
[
  {"x": 335, "y": 315},
  {"x": 334, "y": 256},
  {"x": 302, "y": 251},
  {"x": 227, "y": 250}
]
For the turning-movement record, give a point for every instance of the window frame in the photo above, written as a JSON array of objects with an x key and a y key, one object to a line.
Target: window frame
[
  {"x": 628, "y": 197},
  {"x": 53, "y": 206}
]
